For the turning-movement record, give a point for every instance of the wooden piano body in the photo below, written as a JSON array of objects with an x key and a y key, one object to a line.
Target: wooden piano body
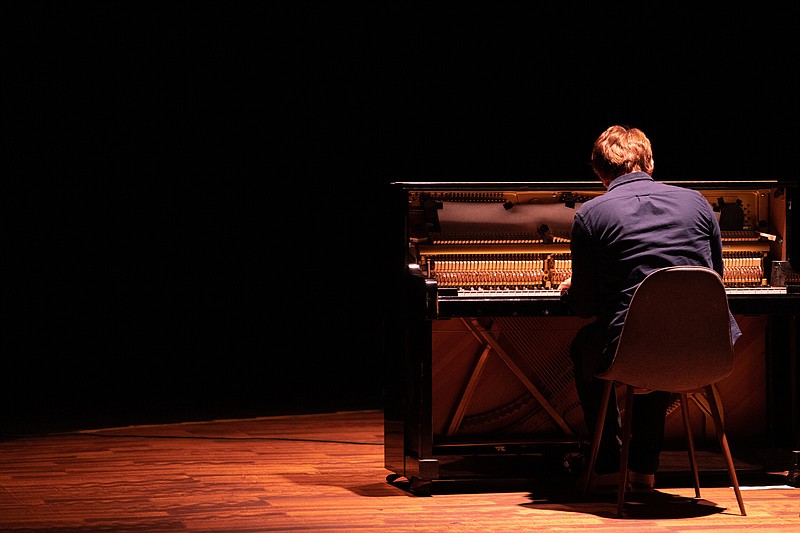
[{"x": 479, "y": 382}]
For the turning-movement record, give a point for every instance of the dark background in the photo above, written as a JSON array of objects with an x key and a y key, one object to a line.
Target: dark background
[{"x": 194, "y": 188}]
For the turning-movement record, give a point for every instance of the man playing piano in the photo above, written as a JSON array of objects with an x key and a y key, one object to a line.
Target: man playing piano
[{"x": 637, "y": 226}]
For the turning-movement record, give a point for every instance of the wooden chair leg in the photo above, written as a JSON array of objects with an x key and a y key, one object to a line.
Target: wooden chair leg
[
  {"x": 723, "y": 443},
  {"x": 687, "y": 428},
  {"x": 626, "y": 442}
]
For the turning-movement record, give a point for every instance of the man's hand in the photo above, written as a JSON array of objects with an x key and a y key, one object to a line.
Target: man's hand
[{"x": 564, "y": 285}]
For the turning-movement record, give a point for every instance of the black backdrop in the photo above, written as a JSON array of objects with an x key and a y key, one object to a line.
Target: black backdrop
[{"x": 195, "y": 186}]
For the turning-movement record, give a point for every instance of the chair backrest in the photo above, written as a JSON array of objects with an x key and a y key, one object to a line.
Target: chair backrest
[{"x": 676, "y": 336}]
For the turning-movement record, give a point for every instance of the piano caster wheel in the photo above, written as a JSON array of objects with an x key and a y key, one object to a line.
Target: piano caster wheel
[
  {"x": 391, "y": 478},
  {"x": 419, "y": 487}
]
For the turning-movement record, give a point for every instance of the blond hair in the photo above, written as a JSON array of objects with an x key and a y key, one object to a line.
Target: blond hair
[{"x": 620, "y": 150}]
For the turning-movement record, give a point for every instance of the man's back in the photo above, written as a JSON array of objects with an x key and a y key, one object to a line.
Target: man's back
[{"x": 637, "y": 226}]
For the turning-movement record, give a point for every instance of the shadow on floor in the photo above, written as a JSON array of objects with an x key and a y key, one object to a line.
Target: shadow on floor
[{"x": 659, "y": 505}]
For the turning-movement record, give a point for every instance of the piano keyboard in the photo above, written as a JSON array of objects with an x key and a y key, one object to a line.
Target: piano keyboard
[
  {"x": 508, "y": 293},
  {"x": 555, "y": 293},
  {"x": 755, "y": 290}
]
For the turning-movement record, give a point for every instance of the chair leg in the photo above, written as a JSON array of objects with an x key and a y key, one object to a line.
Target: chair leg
[
  {"x": 687, "y": 428},
  {"x": 626, "y": 441},
  {"x": 713, "y": 400},
  {"x": 598, "y": 432}
]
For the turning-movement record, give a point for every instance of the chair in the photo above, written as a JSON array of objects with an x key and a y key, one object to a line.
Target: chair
[{"x": 676, "y": 338}]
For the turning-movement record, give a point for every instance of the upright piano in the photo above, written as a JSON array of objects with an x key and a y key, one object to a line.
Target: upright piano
[{"x": 479, "y": 384}]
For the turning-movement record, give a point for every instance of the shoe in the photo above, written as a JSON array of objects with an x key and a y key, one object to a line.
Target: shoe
[
  {"x": 601, "y": 484},
  {"x": 641, "y": 483}
]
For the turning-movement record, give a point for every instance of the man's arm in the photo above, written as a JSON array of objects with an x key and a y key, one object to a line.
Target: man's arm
[{"x": 580, "y": 290}]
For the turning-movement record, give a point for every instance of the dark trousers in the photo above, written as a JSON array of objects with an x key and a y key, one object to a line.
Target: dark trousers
[{"x": 591, "y": 352}]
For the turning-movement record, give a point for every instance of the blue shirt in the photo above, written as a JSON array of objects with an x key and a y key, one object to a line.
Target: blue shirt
[{"x": 637, "y": 226}]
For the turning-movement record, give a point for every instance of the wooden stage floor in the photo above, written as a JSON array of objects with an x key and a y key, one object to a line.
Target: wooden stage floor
[{"x": 315, "y": 472}]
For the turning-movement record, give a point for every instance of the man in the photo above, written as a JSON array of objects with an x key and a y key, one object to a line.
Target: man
[{"x": 617, "y": 239}]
